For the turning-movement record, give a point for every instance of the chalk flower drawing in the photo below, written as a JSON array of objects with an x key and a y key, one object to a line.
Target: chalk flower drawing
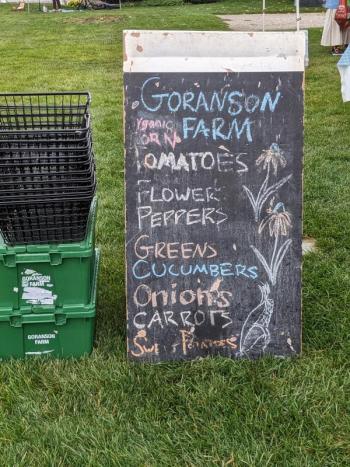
[
  {"x": 272, "y": 156},
  {"x": 269, "y": 158},
  {"x": 279, "y": 223},
  {"x": 255, "y": 335}
]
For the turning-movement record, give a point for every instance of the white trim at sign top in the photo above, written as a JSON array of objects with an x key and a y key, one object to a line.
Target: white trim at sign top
[{"x": 212, "y": 51}]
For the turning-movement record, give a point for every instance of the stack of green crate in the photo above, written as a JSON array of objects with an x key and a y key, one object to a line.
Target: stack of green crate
[{"x": 48, "y": 297}]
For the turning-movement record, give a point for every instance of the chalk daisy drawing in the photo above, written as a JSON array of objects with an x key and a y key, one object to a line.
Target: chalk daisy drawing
[
  {"x": 255, "y": 335},
  {"x": 273, "y": 156},
  {"x": 269, "y": 160},
  {"x": 279, "y": 223}
]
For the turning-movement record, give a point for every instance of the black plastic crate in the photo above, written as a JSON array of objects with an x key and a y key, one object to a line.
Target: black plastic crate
[
  {"x": 57, "y": 133},
  {"x": 46, "y": 166},
  {"x": 37, "y": 141},
  {"x": 48, "y": 191},
  {"x": 54, "y": 221},
  {"x": 43, "y": 110},
  {"x": 43, "y": 182},
  {"x": 34, "y": 158},
  {"x": 41, "y": 161},
  {"x": 45, "y": 161},
  {"x": 55, "y": 159},
  {"x": 47, "y": 169},
  {"x": 25, "y": 234},
  {"x": 21, "y": 192},
  {"x": 10, "y": 153},
  {"x": 13, "y": 147},
  {"x": 39, "y": 171}
]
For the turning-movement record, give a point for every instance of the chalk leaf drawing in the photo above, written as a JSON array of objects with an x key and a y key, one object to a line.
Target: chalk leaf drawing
[
  {"x": 279, "y": 223},
  {"x": 255, "y": 335},
  {"x": 269, "y": 158}
]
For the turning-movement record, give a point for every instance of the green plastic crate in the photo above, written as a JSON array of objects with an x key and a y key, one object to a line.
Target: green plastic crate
[
  {"x": 67, "y": 332},
  {"x": 47, "y": 276}
]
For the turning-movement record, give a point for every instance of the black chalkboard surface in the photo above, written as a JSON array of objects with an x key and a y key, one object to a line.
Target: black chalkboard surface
[{"x": 213, "y": 214}]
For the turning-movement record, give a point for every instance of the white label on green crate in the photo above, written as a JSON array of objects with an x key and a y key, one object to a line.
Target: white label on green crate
[
  {"x": 40, "y": 339},
  {"x": 37, "y": 288}
]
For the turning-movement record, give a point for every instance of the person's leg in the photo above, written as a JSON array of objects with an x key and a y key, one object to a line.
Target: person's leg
[
  {"x": 332, "y": 35},
  {"x": 21, "y": 6},
  {"x": 337, "y": 50}
]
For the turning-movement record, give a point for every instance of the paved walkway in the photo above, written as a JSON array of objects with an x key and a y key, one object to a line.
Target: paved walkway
[{"x": 273, "y": 22}]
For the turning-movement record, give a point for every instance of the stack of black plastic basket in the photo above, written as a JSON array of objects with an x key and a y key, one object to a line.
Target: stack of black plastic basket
[{"x": 47, "y": 169}]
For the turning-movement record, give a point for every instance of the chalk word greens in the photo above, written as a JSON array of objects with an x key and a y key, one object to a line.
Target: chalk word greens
[{"x": 143, "y": 249}]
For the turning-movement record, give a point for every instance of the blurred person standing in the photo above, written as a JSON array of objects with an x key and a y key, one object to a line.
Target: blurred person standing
[
  {"x": 332, "y": 35},
  {"x": 56, "y": 4}
]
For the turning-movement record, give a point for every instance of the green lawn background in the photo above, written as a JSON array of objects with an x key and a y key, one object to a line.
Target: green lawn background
[{"x": 103, "y": 411}]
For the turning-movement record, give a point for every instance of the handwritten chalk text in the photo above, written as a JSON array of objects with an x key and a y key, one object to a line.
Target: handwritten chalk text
[
  {"x": 189, "y": 342},
  {"x": 144, "y": 296},
  {"x": 157, "y": 194},
  {"x": 194, "y": 161},
  {"x": 185, "y": 318},
  {"x": 142, "y": 269},
  {"x": 147, "y": 218},
  {"x": 174, "y": 250},
  {"x": 232, "y": 102}
]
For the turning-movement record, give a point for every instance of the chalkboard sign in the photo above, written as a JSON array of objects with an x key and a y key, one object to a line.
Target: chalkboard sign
[{"x": 213, "y": 213}]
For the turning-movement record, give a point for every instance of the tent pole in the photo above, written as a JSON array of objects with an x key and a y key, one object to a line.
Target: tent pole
[
  {"x": 297, "y": 3},
  {"x": 263, "y": 15}
]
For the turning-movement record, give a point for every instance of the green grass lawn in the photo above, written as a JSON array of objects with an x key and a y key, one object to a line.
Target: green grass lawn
[{"x": 104, "y": 411}]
